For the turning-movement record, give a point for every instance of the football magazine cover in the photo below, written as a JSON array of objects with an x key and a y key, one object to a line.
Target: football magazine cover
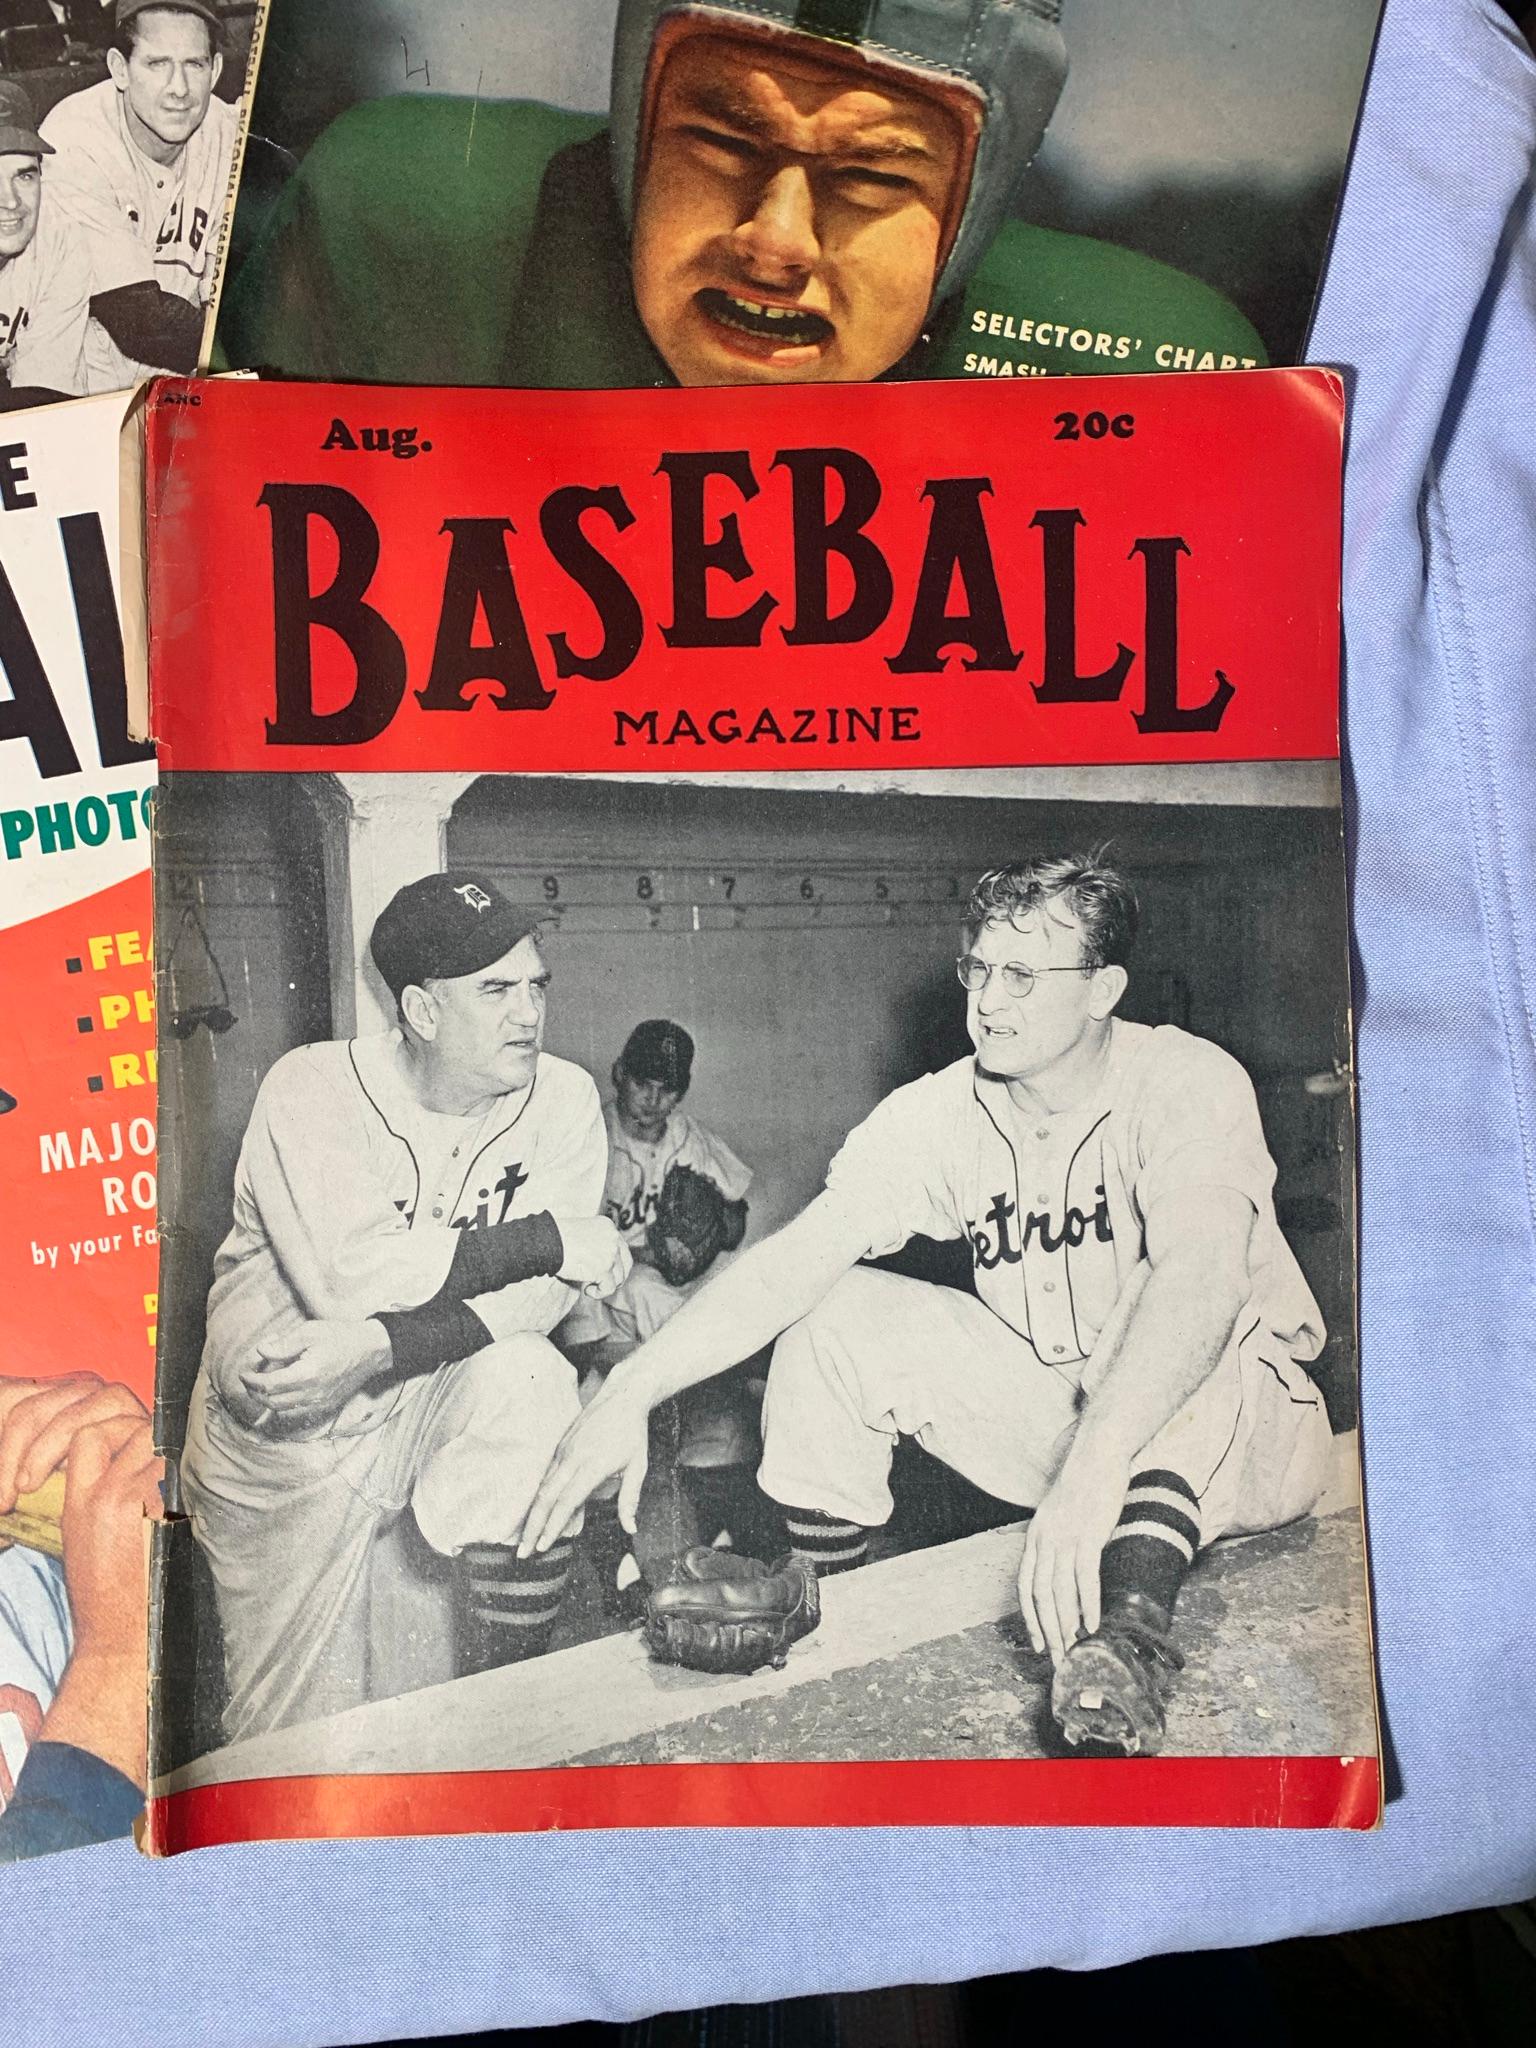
[
  {"x": 640, "y": 192},
  {"x": 758, "y": 1187}
]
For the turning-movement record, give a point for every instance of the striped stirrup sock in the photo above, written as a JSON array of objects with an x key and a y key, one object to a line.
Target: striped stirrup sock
[
  {"x": 826, "y": 1541},
  {"x": 507, "y": 1607},
  {"x": 1155, "y": 1540}
]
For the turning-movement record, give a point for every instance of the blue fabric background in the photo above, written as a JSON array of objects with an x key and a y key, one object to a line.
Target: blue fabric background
[{"x": 1431, "y": 306}]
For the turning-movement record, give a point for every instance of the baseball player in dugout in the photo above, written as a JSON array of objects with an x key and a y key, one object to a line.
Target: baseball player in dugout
[
  {"x": 676, "y": 1193},
  {"x": 786, "y": 191},
  {"x": 1131, "y": 1369},
  {"x": 378, "y": 1396},
  {"x": 141, "y": 170},
  {"x": 44, "y": 274}
]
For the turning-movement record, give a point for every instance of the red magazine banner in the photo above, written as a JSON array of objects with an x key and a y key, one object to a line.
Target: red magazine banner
[
  {"x": 1228, "y": 1792},
  {"x": 1136, "y": 569}
]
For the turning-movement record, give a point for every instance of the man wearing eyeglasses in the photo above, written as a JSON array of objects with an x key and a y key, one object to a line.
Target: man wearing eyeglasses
[{"x": 1133, "y": 1364}]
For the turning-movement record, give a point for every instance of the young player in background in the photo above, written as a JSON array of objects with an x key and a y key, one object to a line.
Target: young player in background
[{"x": 676, "y": 1193}]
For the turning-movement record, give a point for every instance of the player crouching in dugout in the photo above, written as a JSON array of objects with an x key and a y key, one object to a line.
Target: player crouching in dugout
[
  {"x": 1133, "y": 1366},
  {"x": 413, "y": 1214}
]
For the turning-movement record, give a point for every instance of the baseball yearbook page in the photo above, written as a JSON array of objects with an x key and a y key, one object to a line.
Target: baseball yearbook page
[
  {"x": 697, "y": 192},
  {"x": 757, "y": 1209},
  {"x": 77, "y": 1143}
]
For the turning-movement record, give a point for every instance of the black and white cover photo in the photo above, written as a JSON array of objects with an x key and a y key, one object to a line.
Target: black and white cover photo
[
  {"x": 121, "y": 126},
  {"x": 661, "y": 1272}
]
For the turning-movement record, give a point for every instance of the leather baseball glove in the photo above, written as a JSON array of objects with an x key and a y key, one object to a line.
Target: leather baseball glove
[
  {"x": 690, "y": 1228},
  {"x": 720, "y": 1612}
]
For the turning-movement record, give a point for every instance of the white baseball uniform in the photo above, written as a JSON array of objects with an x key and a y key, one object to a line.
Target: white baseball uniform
[
  {"x": 45, "y": 307},
  {"x": 35, "y": 1641},
  {"x": 1055, "y": 1209},
  {"x": 639, "y": 1306},
  {"x": 636, "y": 1169},
  {"x": 350, "y": 1199},
  {"x": 141, "y": 221}
]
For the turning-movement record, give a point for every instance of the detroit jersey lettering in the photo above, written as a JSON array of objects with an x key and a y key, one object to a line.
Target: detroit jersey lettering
[
  {"x": 349, "y": 1197},
  {"x": 636, "y": 1170},
  {"x": 1054, "y": 1207}
]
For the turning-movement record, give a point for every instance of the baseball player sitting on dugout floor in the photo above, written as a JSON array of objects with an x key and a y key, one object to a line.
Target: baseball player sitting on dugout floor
[
  {"x": 1133, "y": 1366},
  {"x": 413, "y": 1214},
  {"x": 676, "y": 1193}
]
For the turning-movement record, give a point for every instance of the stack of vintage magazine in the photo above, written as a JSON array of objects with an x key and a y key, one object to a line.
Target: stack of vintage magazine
[{"x": 756, "y": 1216}]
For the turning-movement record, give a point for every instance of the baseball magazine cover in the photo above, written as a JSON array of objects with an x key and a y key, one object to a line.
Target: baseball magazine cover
[
  {"x": 77, "y": 1145},
  {"x": 644, "y": 192},
  {"x": 757, "y": 1199}
]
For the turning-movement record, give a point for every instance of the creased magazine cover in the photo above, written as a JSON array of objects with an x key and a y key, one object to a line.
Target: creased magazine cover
[
  {"x": 702, "y": 192},
  {"x": 762, "y": 1227},
  {"x": 78, "y": 1262},
  {"x": 122, "y": 128}
]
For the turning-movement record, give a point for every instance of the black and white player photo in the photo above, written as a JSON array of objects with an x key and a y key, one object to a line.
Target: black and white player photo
[
  {"x": 967, "y": 1370},
  {"x": 119, "y": 125}
]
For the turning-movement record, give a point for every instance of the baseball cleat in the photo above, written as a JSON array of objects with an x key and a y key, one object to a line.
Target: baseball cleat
[
  {"x": 624, "y": 1593},
  {"x": 1110, "y": 1688}
]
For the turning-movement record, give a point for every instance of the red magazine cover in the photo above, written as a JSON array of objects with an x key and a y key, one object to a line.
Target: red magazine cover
[
  {"x": 757, "y": 1201},
  {"x": 78, "y": 1259}
]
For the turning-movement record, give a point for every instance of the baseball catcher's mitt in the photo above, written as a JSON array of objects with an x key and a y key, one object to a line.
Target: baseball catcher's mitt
[
  {"x": 720, "y": 1612},
  {"x": 690, "y": 1227}
]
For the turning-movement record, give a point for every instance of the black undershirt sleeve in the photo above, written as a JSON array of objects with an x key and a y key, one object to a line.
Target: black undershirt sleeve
[
  {"x": 422, "y": 1339},
  {"x": 483, "y": 1260},
  {"x": 152, "y": 326},
  {"x": 446, "y": 1328}
]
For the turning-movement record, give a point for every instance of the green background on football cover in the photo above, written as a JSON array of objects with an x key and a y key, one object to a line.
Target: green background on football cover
[{"x": 373, "y": 264}]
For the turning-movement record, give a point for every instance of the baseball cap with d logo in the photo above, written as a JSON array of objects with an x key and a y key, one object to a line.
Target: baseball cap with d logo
[{"x": 444, "y": 926}]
